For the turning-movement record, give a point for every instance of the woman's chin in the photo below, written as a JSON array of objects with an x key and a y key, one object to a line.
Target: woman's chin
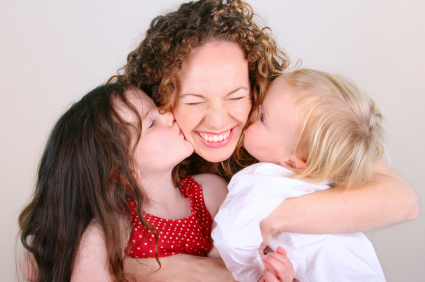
[{"x": 216, "y": 155}]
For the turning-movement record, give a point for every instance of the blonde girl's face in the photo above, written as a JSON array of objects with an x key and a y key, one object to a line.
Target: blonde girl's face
[
  {"x": 162, "y": 144},
  {"x": 273, "y": 135},
  {"x": 212, "y": 101}
]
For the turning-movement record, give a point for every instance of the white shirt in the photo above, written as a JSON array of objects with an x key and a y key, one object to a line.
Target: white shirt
[{"x": 254, "y": 193}]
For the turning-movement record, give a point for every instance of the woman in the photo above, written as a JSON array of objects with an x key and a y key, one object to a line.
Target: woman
[{"x": 210, "y": 64}]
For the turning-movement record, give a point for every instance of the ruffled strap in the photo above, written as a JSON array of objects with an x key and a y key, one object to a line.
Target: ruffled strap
[{"x": 187, "y": 186}]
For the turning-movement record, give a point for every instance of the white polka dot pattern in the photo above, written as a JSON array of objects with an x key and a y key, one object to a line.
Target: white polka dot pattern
[{"x": 176, "y": 236}]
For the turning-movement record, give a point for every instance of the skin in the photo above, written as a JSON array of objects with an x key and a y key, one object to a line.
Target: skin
[
  {"x": 161, "y": 146},
  {"x": 213, "y": 97},
  {"x": 161, "y": 143},
  {"x": 272, "y": 137}
]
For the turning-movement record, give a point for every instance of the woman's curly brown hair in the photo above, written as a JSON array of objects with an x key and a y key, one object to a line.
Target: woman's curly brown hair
[{"x": 154, "y": 64}]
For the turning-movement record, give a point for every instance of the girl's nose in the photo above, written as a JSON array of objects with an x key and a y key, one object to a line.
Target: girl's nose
[{"x": 168, "y": 118}]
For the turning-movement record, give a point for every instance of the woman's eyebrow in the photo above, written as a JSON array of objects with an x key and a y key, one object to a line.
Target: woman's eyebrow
[
  {"x": 236, "y": 90},
  {"x": 196, "y": 95},
  {"x": 201, "y": 96}
]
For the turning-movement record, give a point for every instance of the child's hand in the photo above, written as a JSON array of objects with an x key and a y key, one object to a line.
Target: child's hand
[{"x": 277, "y": 267}]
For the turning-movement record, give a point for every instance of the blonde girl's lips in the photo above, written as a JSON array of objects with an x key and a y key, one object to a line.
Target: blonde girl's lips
[{"x": 214, "y": 140}]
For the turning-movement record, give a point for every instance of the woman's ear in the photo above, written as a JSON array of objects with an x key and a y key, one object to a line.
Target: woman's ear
[{"x": 296, "y": 163}]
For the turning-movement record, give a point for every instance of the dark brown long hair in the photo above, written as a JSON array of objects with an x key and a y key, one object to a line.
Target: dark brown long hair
[
  {"x": 85, "y": 175},
  {"x": 154, "y": 64}
]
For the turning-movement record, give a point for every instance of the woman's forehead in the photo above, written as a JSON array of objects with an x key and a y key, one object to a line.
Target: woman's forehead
[{"x": 218, "y": 67}]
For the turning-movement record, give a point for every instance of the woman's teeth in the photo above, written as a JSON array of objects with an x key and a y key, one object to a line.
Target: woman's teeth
[{"x": 215, "y": 138}]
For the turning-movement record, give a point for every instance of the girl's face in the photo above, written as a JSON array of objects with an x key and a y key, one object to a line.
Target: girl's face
[
  {"x": 162, "y": 144},
  {"x": 212, "y": 101},
  {"x": 272, "y": 137}
]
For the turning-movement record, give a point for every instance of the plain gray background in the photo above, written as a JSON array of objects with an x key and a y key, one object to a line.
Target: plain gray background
[{"x": 53, "y": 52}]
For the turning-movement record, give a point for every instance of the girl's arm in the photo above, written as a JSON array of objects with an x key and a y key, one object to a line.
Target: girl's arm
[
  {"x": 386, "y": 200},
  {"x": 91, "y": 261},
  {"x": 178, "y": 268},
  {"x": 181, "y": 268}
]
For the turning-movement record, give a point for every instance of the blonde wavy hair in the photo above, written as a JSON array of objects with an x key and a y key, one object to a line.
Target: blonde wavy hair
[{"x": 341, "y": 135}]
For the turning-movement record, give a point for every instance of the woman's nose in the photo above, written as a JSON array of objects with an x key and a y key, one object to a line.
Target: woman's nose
[{"x": 216, "y": 116}]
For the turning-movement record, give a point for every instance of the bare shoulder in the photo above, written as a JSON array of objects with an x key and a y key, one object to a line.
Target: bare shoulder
[
  {"x": 91, "y": 262},
  {"x": 209, "y": 181},
  {"x": 214, "y": 189}
]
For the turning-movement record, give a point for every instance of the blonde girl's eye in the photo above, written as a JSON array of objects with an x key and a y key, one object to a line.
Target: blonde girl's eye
[
  {"x": 152, "y": 124},
  {"x": 193, "y": 104}
]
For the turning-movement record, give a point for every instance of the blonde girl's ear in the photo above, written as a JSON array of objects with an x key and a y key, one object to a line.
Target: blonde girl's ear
[{"x": 296, "y": 163}]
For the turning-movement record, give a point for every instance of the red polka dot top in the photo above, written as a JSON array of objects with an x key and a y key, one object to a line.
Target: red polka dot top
[{"x": 176, "y": 236}]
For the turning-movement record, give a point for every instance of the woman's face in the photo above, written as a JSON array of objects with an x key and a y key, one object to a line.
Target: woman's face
[{"x": 212, "y": 101}]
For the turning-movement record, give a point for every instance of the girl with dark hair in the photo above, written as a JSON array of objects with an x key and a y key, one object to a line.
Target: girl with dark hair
[{"x": 106, "y": 190}]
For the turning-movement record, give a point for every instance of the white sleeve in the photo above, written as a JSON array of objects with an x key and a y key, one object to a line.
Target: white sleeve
[
  {"x": 237, "y": 238},
  {"x": 238, "y": 235},
  {"x": 254, "y": 193}
]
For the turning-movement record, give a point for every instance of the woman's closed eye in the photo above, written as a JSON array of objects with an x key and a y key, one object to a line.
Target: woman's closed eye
[
  {"x": 193, "y": 104},
  {"x": 237, "y": 98}
]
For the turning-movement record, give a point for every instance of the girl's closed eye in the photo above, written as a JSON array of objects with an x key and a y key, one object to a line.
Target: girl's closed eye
[
  {"x": 152, "y": 124},
  {"x": 262, "y": 118}
]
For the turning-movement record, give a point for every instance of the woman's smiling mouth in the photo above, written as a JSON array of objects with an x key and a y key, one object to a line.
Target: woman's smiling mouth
[
  {"x": 215, "y": 137},
  {"x": 215, "y": 140}
]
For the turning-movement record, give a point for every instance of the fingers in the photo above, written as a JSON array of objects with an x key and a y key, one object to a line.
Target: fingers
[
  {"x": 279, "y": 266},
  {"x": 268, "y": 277},
  {"x": 266, "y": 241},
  {"x": 281, "y": 251},
  {"x": 267, "y": 234}
]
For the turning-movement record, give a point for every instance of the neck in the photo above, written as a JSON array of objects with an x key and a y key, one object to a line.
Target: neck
[
  {"x": 159, "y": 187},
  {"x": 165, "y": 200},
  {"x": 211, "y": 168}
]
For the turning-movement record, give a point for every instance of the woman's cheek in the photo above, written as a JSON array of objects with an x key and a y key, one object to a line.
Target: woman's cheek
[
  {"x": 188, "y": 116},
  {"x": 240, "y": 111}
]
